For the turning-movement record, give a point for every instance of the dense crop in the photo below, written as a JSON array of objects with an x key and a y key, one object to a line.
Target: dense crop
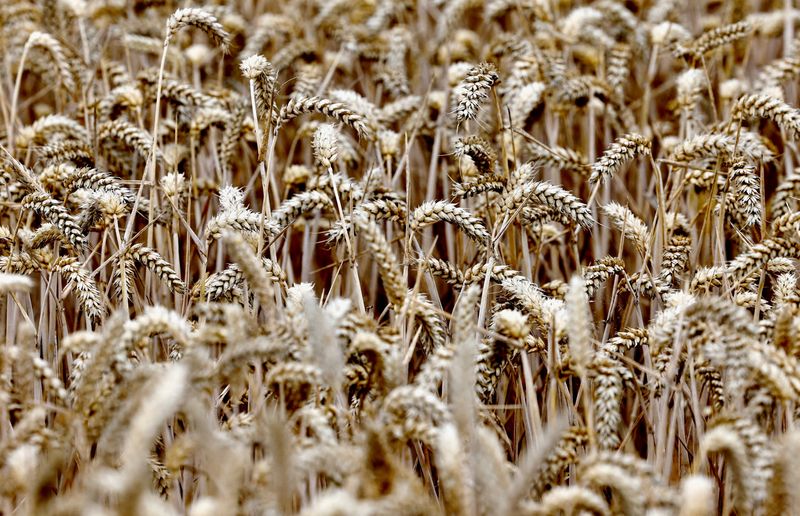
[{"x": 399, "y": 257}]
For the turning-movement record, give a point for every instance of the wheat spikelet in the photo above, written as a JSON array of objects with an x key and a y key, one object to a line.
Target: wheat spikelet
[
  {"x": 348, "y": 189},
  {"x": 747, "y": 191},
  {"x": 735, "y": 440},
  {"x": 532, "y": 300},
  {"x": 21, "y": 263},
  {"x": 102, "y": 207},
  {"x": 56, "y": 51},
  {"x": 25, "y": 430},
  {"x": 498, "y": 272},
  {"x": 234, "y": 127},
  {"x": 158, "y": 265},
  {"x": 785, "y": 224},
  {"x": 607, "y": 398},
  {"x": 552, "y": 196},
  {"x": 385, "y": 209},
  {"x": 703, "y": 145},
  {"x": 778, "y": 71},
  {"x": 84, "y": 284},
  {"x": 359, "y": 104},
  {"x": 697, "y": 492},
  {"x": 623, "y": 150},
  {"x": 240, "y": 219},
  {"x": 412, "y": 412},
  {"x": 524, "y": 101},
  {"x": 628, "y": 338},
  {"x": 755, "y": 147},
  {"x": 779, "y": 204},
  {"x": 97, "y": 180},
  {"x": 707, "y": 277},
  {"x": 782, "y": 498},
  {"x": 691, "y": 85},
  {"x": 205, "y": 118},
  {"x": 442, "y": 269},
  {"x": 451, "y": 460},
  {"x": 126, "y": 132},
  {"x": 628, "y": 490},
  {"x": 473, "y": 90},
  {"x": 154, "y": 320},
  {"x": 713, "y": 39},
  {"x": 632, "y": 226},
  {"x": 335, "y": 110},
  {"x": 56, "y": 214},
  {"x": 295, "y": 382},
  {"x": 71, "y": 150},
  {"x": 178, "y": 92},
  {"x": 579, "y": 323},
  {"x": 493, "y": 354},
  {"x": 47, "y": 127},
  {"x": 560, "y": 157},
  {"x": 54, "y": 177},
  {"x": 297, "y": 205},
  {"x": 478, "y": 150},
  {"x": 429, "y": 316},
  {"x": 220, "y": 283},
  {"x": 598, "y": 273},
  {"x": 325, "y": 145},
  {"x": 124, "y": 97},
  {"x": 399, "y": 109},
  {"x": 584, "y": 23},
  {"x": 776, "y": 369},
  {"x": 760, "y": 254},
  {"x": 479, "y": 186},
  {"x": 617, "y": 67},
  {"x": 252, "y": 268},
  {"x": 393, "y": 72},
  {"x": 579, "y": 92},
  {"x": 434, "y": 370},
  {"x": 263, "y": 75},
  {"x": 764, "y": 106},
  {"x": 45, "y": 235},
  {"x": 388, "y": 265},
  {"x": 675, "y": 259},
  {"x": 50, "y": 381},
  {"x": 434, "y": 211},
  {"x": 201, "y": 19}
]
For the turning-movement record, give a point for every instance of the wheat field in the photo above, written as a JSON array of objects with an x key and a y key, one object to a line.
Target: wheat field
[{"x": 399, "y": 257}]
